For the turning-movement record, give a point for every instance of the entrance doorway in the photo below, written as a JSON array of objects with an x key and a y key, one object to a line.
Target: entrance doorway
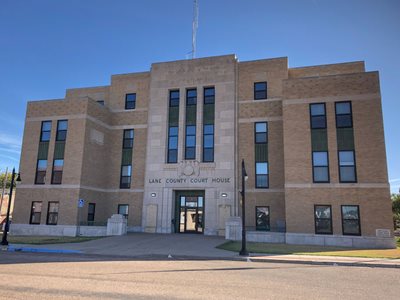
[{"x": 191, "y": 214}]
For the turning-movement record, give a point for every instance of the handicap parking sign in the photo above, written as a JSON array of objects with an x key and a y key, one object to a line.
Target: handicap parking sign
[{"x": 81, "y": 202}]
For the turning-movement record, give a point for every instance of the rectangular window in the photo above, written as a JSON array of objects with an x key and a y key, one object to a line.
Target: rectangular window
[
  {"x": 126, "y": 174},
  {"x": 62, "y": 127},
  {"x": 128, "y": 139},
  {"x": 261, "y": 132},
  {"x": 52, "y": 213},
  {"x": 36, "y": 212},
  {"x": 100, "y": 102},
  {"x": 191, "y": 97},
  {"x": 130, "y": 101},
  {"x": 260, "y": 90},
  {"x": 56, "y": 177},
  {"x": 123, "y": 209},
  {"x": 262, "y": 218},
  {"x": 320, "y": 166},
  {"x": 172, "y": 144},
  {"x": 318, "y": 116},
  {"x": 347, "y": 166},
  {"x": 41, "y": 171},
  {"x": 45, "y": 131},
  {"x": 261, "y": 175},
  {"x": 323, "y": 219},
  {"x": 351, "y": 220},
  {"x": 344, "y": 118},
  {"x": 91, "y": 212},
  {"x": 173, "y": 98},
  {"x": 209, "y": 95},
  {"x": 190, "y": 142},
  {"x": 208, "y": 143}
]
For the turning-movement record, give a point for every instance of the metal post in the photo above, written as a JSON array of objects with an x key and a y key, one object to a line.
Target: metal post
[
  {"x": 4, "y": 241},
  {"x": 243, "y": 251}
]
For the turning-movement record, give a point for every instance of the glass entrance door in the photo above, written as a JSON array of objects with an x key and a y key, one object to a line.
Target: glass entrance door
[{"x": 191, "y": 214}]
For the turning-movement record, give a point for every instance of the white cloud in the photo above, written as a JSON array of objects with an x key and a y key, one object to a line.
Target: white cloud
[
  {"x": 394, "y": 180},
  {"x": 10, "y": 141}
]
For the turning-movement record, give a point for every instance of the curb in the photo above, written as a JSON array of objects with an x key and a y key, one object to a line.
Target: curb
[{"x": 41, "y": 250}]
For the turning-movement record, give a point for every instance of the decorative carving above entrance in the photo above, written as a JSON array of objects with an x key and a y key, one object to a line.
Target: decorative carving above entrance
[{"x": 189, "y": 168}]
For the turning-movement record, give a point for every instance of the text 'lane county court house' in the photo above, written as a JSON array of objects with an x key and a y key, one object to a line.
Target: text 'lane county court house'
[{"x": 164, "y": 148}]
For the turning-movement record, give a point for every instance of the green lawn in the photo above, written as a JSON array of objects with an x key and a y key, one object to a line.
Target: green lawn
[
  {"x": 42, "y": 240},
  {"x": 313, "y": 250}
]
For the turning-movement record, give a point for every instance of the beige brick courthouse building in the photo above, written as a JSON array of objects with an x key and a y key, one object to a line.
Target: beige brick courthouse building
[{"x": 164, "y": 149}]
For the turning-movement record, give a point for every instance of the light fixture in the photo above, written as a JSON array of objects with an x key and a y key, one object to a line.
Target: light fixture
[
  {"x": 153, "y": 195},
  {"x": 224, "y": 195}
]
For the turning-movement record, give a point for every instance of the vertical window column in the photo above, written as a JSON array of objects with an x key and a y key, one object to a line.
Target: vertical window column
[
  {"x": 59, "y": 149},
  {"x": 190, "y": 132},
  {"x": 126, "y": 160},
  {"x": 173, "y": 127},
  {"x": 261, "y": 154},
  {"x": 43, "y": 151},
  {"x": 208, "y": 124},
  {"x": 345, "y": 142},
  {"x": 319, "y": 143}
]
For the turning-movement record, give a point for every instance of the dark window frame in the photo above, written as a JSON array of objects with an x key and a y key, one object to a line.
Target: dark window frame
[
  {"x": 169, "y": 149},
  {"x": 256, "y": 175},
  {"x": 32, "y": 213},
  {"x": 174, "y": 101},
  {"x": 37, "y": 171},
  {"x": 359, "y": 220},
  {"x": 313, "y": 116},
  {"x": 191, "y": 100},
  {"x": 121, "y": 186},
  {"x": 208, "y": 148},
  {"x": 59, "y": 131},
  {"x": 53, "y": 172},
  {"x": 330, "y": 219},
  {"x": 101, "y": 102},
  {"x": 349, "y": 114},
  {"x": 269, "y": 218},
  {"x": 190, "y": 147},
  {"x": 327, "y": 166},
  {"x": 355, "y": 166},
  {"x": 130, "y": 140},
  {"x": 48, "y": 212},
  {"x": 119, "y": 205},
  {"x": 129, "y": 102},
  {"x": 266, "y": 132},
  {"x": 43, "y": 131},
  {"x": 256, "y": 97},
  {"x": 91, "y": 216},
  {"x": 208, "y": 99}
]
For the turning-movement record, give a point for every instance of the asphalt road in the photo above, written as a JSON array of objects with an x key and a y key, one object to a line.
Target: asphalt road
[{"x": 54, "y": 276}]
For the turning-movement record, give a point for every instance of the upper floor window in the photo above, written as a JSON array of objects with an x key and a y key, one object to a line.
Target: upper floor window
[
  {"x": 58, "y": 166},
  {"x": 45, "y": 131},
  {"x": 190, "y": 142},
  {"x": 209, "y": 95},
  {"x": 191, "y": 97},
  {"x": 318, "y": 115},
  {"x": 128, "y": 139},
  {"x": 344, "y": 117},
  {"x": 173, "y": 98},
  {"x": 130, "y": 101},
  {"x": 260, "y": 90},
  {"x": 208, "y": 143},
  {"x": 62, "y": 127},
  {"x": 320, "y": 166},
  {"x": 41, "y": 168},
  {"x": 261, "y": 132},
  {"x": 126, "y": 174},
  {"x": 261, "y": 174},
  {"x": 347, "y": 166}
]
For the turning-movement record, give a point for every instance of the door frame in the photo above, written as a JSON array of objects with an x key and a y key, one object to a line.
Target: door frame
[{"x": 187, "y": 193}]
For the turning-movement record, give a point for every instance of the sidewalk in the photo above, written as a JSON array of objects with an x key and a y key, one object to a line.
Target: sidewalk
[{"x": 189, "y": 246}]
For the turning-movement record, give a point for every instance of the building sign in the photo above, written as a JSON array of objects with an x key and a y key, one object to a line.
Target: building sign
[{"x": 196, "y": 180}]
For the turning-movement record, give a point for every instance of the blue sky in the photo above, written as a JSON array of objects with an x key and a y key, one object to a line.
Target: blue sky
[{"x": 47, "y": 46}]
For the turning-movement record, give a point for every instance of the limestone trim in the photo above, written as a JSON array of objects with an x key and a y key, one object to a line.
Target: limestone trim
[
  {"x": 265, "y": 190},
  {"x": 267, "y": 119},
  {"x": 364, "y": 97},
  {"x": 260, "y": 100},
  {"x": 77, "y": 186},
  {"x": 337, "y": 185},
  {"x": 85, "y": 116},
  {"x": 128, "y": 110}
]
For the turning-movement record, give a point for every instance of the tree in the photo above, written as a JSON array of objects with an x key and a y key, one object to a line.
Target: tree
[
  {"x": 7, "y": 181},
  {"x": 396, "y": 210}
]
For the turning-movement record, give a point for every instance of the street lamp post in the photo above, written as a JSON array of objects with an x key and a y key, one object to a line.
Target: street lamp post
[
  {"x": 4, "y": 241},
  {"x": 243, "y": 251}
]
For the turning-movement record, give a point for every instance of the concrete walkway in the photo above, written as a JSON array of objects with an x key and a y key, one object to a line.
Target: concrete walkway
[{"x": 194, "y": 246}]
